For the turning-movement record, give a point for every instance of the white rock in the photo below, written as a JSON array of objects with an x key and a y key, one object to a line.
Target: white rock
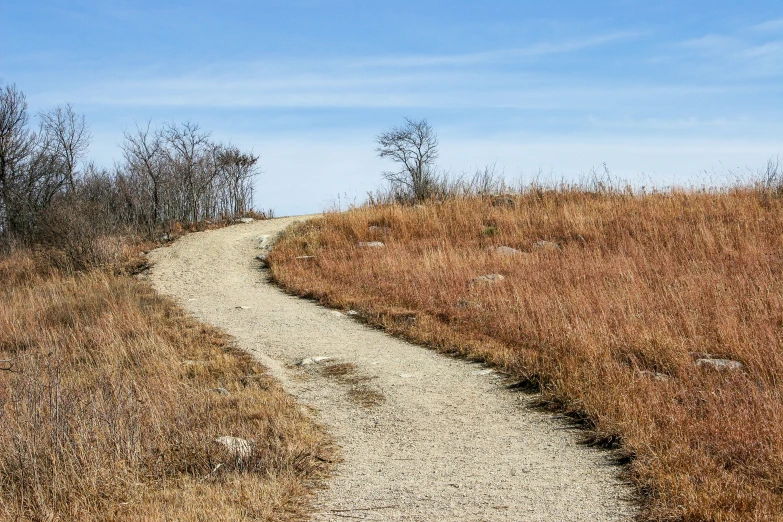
[
  {"x": 238, "y": 448},
  {"x": 245, "y": 220},
  {"x": 222, "y": 391},
  {"x": 719, "y": 364},
  {"x": 313, "y": 360},
  {"x": 352, "y": 312},
  {"x": 370, "y": 244},
  {"x": 263, "y": 258},
  {"x": 488, "y": 371}
]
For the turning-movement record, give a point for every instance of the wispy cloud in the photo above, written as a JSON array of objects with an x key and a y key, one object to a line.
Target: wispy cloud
[
  {"x": 734, "y": 57},
  {"x": 536, "y": 50},
  {"x": 769, "y": 26},
  {"x": 289, "y": 87},
  {"x": 518, "y": 78}
]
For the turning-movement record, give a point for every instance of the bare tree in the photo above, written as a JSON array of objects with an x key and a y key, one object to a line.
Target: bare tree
[
  {"x": 142, "y": 152},
  {"x": 169, "y": 174},
  {"x": 16, "y": 144},
  {"x": 414, "y": 146},
  {"x": 69, "y": 136},
  {"x": 187, "y": 150},
  {"x": 237, "y": 170}
]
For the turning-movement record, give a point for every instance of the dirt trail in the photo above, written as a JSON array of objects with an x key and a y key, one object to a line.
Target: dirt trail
[{"x": 424, "y": 437}]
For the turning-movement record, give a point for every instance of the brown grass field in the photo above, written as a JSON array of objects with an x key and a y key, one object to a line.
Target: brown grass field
[
  {"x": 609, "y": 326},
  {"x": 109, "y": 409}
]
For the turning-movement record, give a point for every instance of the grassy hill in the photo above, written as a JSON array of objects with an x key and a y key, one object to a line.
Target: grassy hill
[{"x": 618, "y": 307}]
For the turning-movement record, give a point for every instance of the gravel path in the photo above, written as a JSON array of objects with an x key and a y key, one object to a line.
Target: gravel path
[{"x": 424, "y": 437}]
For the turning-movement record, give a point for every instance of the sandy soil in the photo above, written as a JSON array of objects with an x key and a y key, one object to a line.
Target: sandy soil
[{"x": 424, "y": 437}]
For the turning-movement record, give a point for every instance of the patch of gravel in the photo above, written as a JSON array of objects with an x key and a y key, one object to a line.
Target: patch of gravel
[{"x": 424, "y": 437}]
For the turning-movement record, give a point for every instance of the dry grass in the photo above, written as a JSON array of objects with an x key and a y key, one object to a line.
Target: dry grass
[
  {"x": 608, "y": 326},
  {"x": 111, "y": 411},
  {"x": 360, "y": 390}
]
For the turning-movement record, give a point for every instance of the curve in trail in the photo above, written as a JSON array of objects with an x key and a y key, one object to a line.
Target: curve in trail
[{"x": 423, "y": 436}]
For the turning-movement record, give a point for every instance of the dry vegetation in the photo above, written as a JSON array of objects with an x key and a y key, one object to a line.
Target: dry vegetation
[
  {"x": 608, "y": 326},
  {"x": 109, "y": 409}
]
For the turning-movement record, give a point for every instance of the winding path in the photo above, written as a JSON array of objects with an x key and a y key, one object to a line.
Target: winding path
[{"x": 424, "y": 437}]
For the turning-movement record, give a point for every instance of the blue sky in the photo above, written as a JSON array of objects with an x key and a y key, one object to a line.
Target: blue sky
[{"x": 667, "y": 92}]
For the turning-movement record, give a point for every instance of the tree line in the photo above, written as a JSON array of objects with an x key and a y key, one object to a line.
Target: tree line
[{"x": 167, "y": 174}]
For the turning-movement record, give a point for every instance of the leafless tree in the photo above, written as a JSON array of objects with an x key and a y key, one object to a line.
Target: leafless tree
[
  {"x": 169, "y": 174},
  {"x": 189, "y": 178},
  {"x": 414, "y": 147},
  {"x": 32, "y": 170},
  {"x": 187, "y": 149},
  {"x": 69, "y": 136},
  {"x": 143, "y": 156},
  {"x": 237, "y": 170},
  {"x": 16, "y": 145}
]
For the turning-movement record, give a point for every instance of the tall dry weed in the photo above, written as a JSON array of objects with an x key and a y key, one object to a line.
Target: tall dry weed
[{"x": 608, "y": 324}]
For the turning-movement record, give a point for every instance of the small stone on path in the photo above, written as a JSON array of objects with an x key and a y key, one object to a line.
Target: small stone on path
[{"x": 313, "y": 360}]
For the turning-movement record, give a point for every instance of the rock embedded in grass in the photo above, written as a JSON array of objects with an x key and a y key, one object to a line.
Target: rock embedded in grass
[
  {"x": 240, "y": 449},
  {"x": 370, "y": 244},
  {"x": 719, "y": 364},
  {"x": 244, "y": 220},
  {"x": 488, "y": 279}
]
